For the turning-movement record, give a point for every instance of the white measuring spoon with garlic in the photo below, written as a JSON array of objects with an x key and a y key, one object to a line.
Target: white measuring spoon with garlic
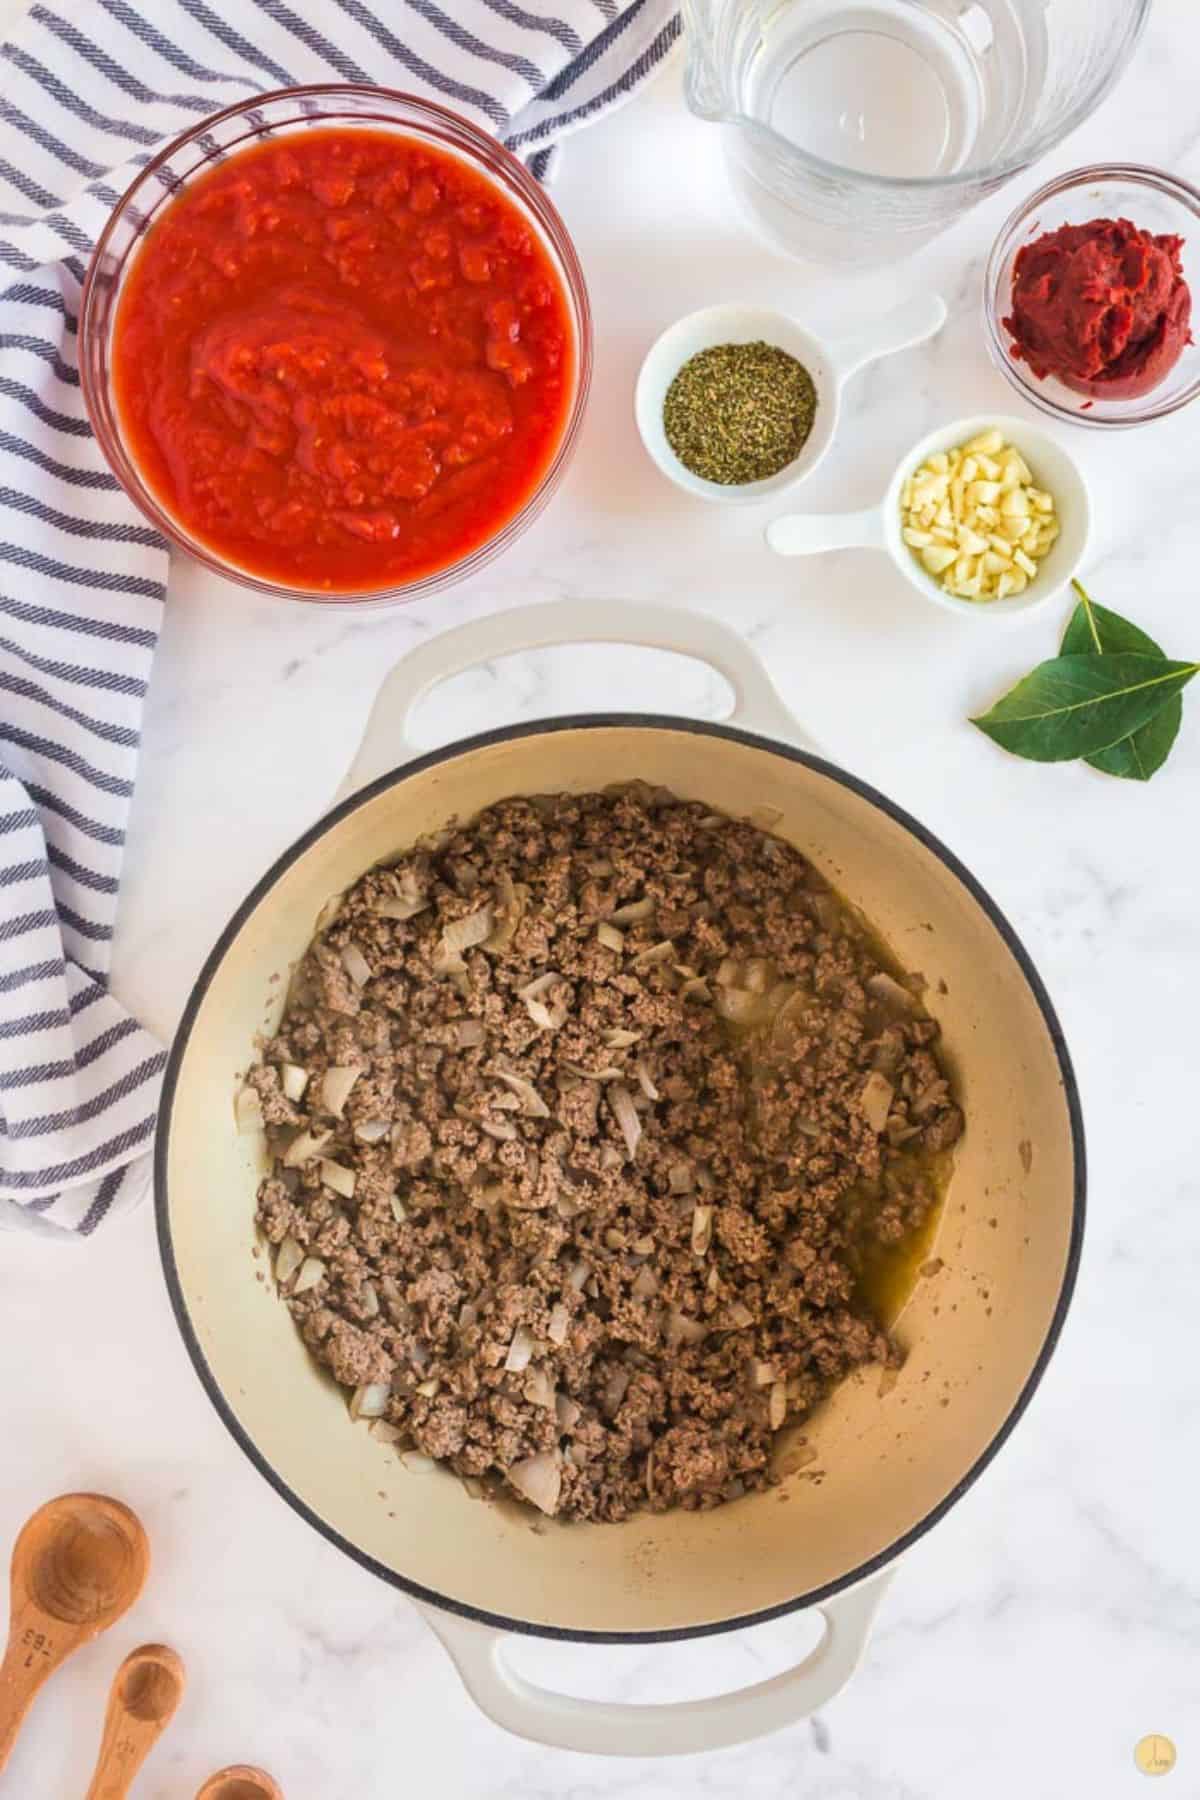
[{"x": 975, "y": 518}]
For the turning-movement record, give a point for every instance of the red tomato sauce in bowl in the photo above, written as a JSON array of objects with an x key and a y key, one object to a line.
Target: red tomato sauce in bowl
[{"x": 343, "y": 360}]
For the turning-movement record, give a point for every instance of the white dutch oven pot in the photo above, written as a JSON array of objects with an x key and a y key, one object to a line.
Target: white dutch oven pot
[{"x": 978, "y": 1336}]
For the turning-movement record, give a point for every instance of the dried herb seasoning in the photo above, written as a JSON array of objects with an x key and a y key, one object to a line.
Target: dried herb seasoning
[{"x": 739, "y": 412}]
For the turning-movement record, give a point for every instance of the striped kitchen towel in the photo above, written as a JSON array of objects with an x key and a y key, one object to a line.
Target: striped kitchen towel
[{"x": 88, "y": 93}]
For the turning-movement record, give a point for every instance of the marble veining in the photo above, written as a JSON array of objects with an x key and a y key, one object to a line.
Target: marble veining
[{"x": 1054, "y": 1616}]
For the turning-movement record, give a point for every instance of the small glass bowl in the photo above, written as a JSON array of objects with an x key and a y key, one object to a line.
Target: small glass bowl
[
  {"x": 239, "y": 127},
  {"x": 1159, "y": 203}
]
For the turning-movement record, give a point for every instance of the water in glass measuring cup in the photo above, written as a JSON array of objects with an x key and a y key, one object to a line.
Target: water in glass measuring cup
[
  {"x": 854, "y": 131},
  {"x": 893, "y": 88}
]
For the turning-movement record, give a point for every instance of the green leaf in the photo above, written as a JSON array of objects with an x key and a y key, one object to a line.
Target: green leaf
[
  {"x": 1077, "y": 705},
  {"x": 1093, "y": 630}
]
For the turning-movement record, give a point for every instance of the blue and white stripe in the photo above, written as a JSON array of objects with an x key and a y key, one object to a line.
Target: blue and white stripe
[{"x": 88, "y": 92}]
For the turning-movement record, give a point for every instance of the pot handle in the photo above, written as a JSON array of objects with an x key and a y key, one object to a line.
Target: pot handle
[
  {"x": 386, "y": 744},
  {"x": 606, "y": 1728}
]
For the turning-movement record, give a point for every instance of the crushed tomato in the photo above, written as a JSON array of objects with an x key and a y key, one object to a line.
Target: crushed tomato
[{"x": 344, "y": 360}]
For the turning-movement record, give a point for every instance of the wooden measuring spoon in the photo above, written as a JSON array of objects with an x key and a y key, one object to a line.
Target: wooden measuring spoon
[
  {"x": 78, "y": 1564},
  {"x": 145, "y": 1694},
  {"x": 240, "y": 1783}
]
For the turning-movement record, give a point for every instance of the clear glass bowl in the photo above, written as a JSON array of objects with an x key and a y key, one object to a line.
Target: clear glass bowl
[
  {"x": 1159, "y": 203},
  {"x": 239, "y": 127}
]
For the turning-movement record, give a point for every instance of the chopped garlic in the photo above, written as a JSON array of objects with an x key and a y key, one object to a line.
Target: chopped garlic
[{"x": 975, "y": 521}]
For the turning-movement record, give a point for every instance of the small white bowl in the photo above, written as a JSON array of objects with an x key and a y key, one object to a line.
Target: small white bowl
[
  {"x": 831, "y": 364},
  {"x": 879, "y": 527}
]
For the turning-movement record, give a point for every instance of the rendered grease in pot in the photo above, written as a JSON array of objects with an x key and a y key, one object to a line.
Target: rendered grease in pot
[{"x": 604, "y": 1142}]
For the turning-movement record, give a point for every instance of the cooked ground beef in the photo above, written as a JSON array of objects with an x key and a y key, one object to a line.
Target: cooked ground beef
[{"x": 582, "y": 1117}]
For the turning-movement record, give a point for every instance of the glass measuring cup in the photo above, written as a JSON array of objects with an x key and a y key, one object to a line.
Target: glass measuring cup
[{"x": 855, "y": 130}]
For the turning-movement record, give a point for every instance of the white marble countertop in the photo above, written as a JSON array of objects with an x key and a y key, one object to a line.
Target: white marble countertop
[{"x": 1054, "y": 1616}]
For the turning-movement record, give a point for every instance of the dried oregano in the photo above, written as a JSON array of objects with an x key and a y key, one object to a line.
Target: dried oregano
[{"x": 739, "y": 412}]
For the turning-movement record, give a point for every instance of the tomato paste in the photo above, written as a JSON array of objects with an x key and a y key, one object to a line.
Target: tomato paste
[
  {"x": 343, "y": 360},
  {"x": 1103, "y": 306}
]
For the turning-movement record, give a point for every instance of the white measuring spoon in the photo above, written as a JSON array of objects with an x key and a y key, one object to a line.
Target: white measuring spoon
[
  {"x": 831, "y": 362},
  {"x": 879, "y": 527}
]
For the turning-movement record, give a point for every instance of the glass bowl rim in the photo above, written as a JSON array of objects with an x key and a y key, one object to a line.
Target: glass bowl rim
[
  {"x": 1145, "y": 175},
  {"x": 497, "y": 163}
]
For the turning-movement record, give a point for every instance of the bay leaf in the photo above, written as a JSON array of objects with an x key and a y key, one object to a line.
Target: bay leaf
[
  {"x": 1078, "y": 705},
  {"x": 1093, "y": 630}
]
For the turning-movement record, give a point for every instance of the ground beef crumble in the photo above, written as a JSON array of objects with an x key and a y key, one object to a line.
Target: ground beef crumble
[{"x": 581, "y": 1117}]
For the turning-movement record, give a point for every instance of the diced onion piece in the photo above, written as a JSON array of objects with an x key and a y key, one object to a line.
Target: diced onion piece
[
  {"x": 390, "y": 906},
  {"x": 875, "y": 1101},
  {"x": 610, "y": 937},
  {"x": 644, "y": 1245},
  {"x": 336, "y": 1084},
  {"x": 368, "y": 1300},
  {"x": 620, "y": 1039},
  {"x": 531, "y": 1101},
  {"x": 738, "y": 1005},
  {"x": 312, "y": 1271},
  {"x": 385, "y": 1432},
  {"x": 304, "y": 1146},
  {"x": 500, "y": 1129},
  {"x": 634, "y": 911},
  {"x": 764, "y": 817},
  {"x": 560, "y": 1324},
  {"x": 567, "y": 1412},
  {"x": 578, "y": 1277},
  {"x": 738, "y": 1315},
  {"x": 513, "y": 901},
  {"x": 625, "y": 1113},
  {"x": 777, "y": 1404},
  {"x": 702, "y": 1217},
  {"x": 611, "y": 1073},
  {"x": 293, "y": 1080},
  {"x": 886, "y": 989},
  {"x": 538, "y": 985},
  {"x": 519, "y": 1351},
  {"x": 328, "y": 913},
  {"x": 645, "y": 1081},
  {"x": 653, "y": 954},
  {"x": 372, "y": 1131},
  {"x": 399, "y": 1210},
  {"x": 370, "y": 1401},
  {"x": 342, "y": 1181},
  {"x": 758, "y": 974},
  {"x": 464, "y": 934},
  {"x": 288, "y": 1258},
  {"x": 539, "y": 1389},
  {"x": 429, "y": 1390},
  {"x": 356, "y": 965},
  {"x": 538, "y": 1479},
  {"x": 645, "y": 1283},
  {"x": 764, "y": 1374},
  {"x": 681, "y": 1178},
  {"x": 684, "y": 1330},
  {"x": 248, "y": 1110},
  {"x": 615, "y": 1389}
]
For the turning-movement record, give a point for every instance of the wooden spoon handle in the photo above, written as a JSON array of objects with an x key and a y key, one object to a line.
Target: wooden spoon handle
[
  {"x": 34, "y": 1652},
  {"x": 143, "y": 1700}
]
